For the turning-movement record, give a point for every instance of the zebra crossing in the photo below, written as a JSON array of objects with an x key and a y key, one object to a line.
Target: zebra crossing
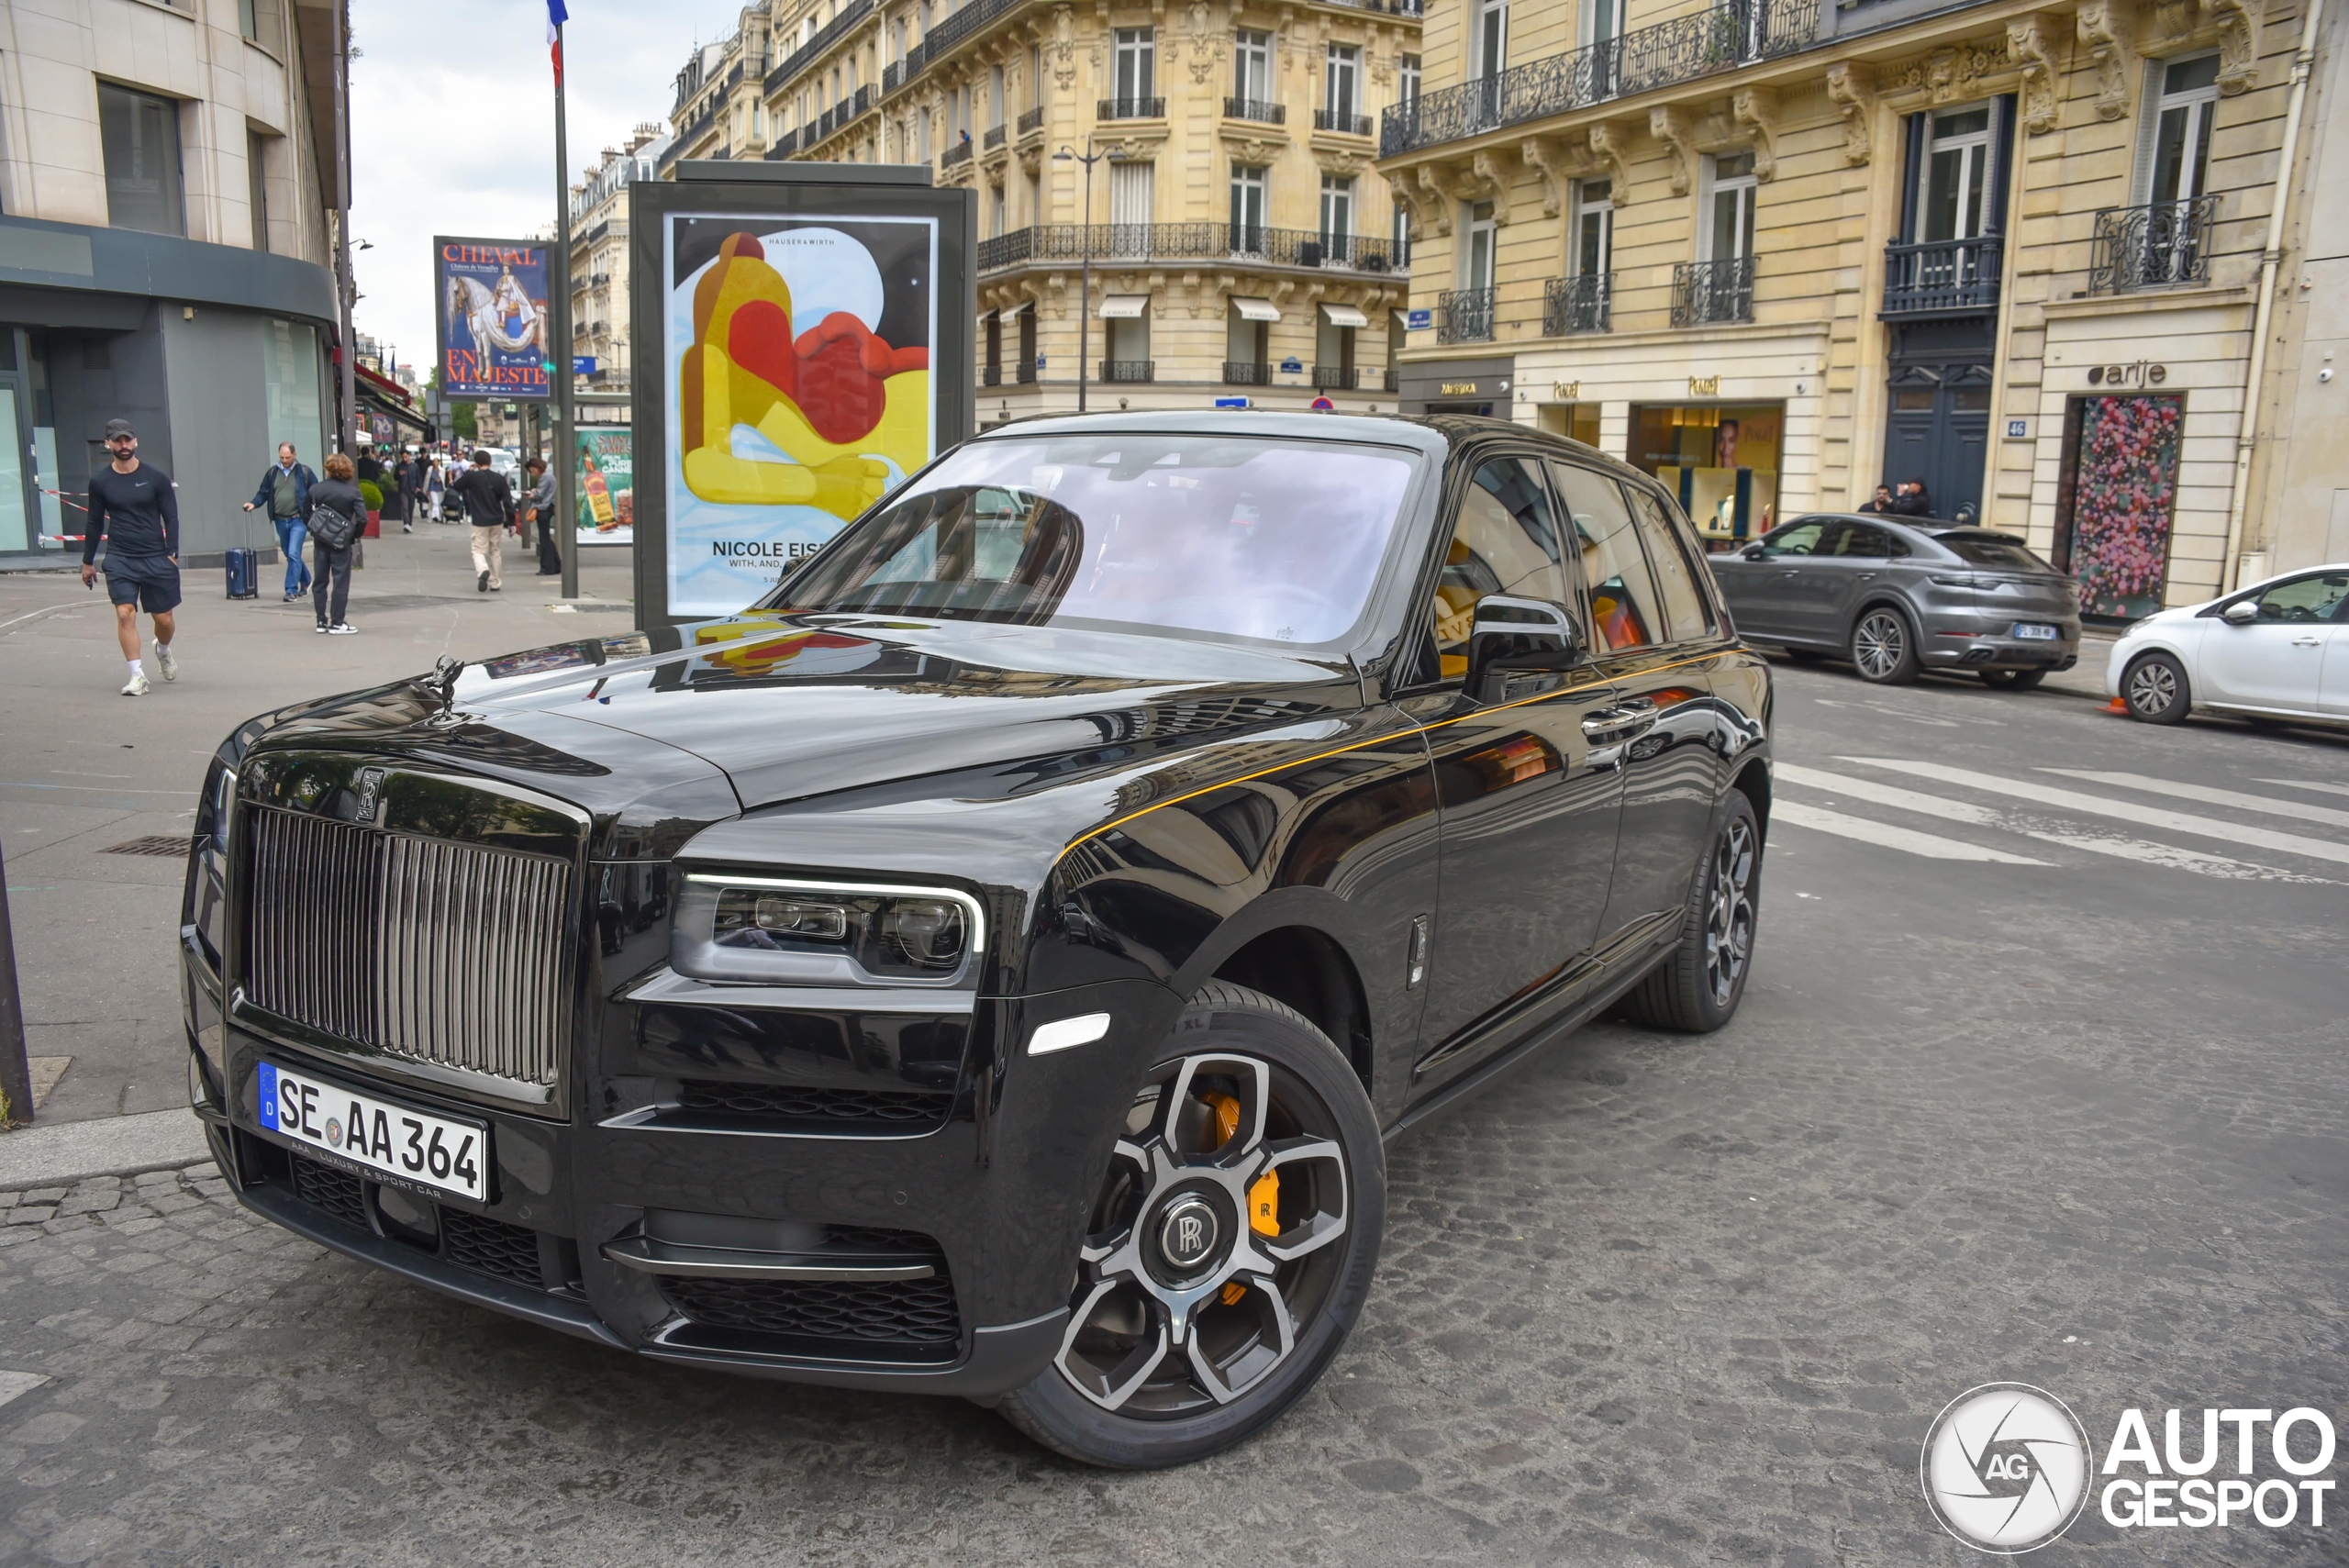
[{"x": 2038, "y": 817}]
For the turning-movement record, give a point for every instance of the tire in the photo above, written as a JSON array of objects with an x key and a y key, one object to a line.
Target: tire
[
  {"x": 1696, "y": 988},
  {"x": 1883, "y": 647},
  {"x": 2012, "y": 680},
  {"x": 2156, "y": 691},
  {"x": 1118, "y": 1393}
]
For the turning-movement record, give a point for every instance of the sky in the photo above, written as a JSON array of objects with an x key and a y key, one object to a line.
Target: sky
[{"x": 452, "y": 125}]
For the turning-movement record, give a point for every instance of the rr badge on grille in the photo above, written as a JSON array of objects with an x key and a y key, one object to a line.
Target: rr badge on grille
[{"x": 371, "y": 793}]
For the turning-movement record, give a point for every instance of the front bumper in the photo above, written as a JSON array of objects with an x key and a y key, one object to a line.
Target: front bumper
[{"x": 998, "y": 1191}]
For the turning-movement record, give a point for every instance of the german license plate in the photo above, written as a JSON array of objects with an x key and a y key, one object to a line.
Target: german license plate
[
  {"x": 2033, "y": 633},
  {"x": 410, "y": 1148}
]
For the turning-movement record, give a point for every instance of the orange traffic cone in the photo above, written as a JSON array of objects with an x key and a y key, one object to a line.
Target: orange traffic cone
[{"x": 2118, "y": 705}]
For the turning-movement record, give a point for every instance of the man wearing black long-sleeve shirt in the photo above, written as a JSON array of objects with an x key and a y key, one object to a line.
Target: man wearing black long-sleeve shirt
[{"x": 133, "y": 508}]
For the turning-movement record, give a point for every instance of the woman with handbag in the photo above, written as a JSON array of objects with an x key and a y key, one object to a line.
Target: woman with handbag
[{"x": 336, "y": 514}]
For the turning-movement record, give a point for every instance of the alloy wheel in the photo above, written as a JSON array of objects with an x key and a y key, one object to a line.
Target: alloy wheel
[
  {"x": 1209, "y": 1249},
  {"x": 1880, "y": 644},
  {"x": 1729, "y": 914}
]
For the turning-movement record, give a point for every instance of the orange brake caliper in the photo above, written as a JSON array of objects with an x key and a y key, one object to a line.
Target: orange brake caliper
[{"x": 1263, "y": 1193}]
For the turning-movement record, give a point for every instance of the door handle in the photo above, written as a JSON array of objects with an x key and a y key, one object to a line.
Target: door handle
[
  {"x": 2308, "y": 642},
  {"x": 1867, "y": 576}
]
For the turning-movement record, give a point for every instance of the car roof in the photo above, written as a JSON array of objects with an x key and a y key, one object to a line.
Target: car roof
[{"x": 1436, "y": 435}]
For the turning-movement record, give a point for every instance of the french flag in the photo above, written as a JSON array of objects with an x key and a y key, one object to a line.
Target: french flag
[{"x": 557, "y": 14}]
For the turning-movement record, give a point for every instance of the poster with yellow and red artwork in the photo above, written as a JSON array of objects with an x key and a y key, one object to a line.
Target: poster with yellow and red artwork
[{"x": 799, "y": 356}]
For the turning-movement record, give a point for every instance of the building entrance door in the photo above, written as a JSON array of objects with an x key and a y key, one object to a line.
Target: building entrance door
[{"x": 1938, "y": 430}]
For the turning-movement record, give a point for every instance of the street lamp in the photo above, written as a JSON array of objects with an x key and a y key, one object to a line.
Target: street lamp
[{"x": 1085, "y": 297}]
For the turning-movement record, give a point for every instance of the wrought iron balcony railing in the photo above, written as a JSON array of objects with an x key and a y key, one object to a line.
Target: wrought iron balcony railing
[
  {"x": 1943, "y": 277},
  {"x": 1463, "y": 315},
  {"x": 1023, "y": 372},
  {"x": 1190, "y": 241},
  {"x": 1342, "y": 122},
  {"x": 1031, "y": 119},
  {"x": 1129, "y": 370},
  {"x": 1254, "y": 109},
  {"x": 830, "y": 33},
  {"x": 994, "y": 138},
  {"x": 958, "y": 153},
  {"x": 2160, "y": 246},
  {"x": 785, "y": 145},
  {"x": 1701, "y": 44},
  {"x": 1130, "y": 109},
  {"x": 1705, "y": 291},
  {"x": 990, "y": 375},
  {"x": 1337, "y": 378},
  {"x": 1390, "y": 383},
  {"x": 1247, "y": 372},
  {"x": 1583, "y": 304}
]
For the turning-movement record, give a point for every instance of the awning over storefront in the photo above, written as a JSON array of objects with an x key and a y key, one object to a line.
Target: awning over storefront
[
  {"x": 1344, "y": 316},
  {"x": 1255, "y": 309},
  {"x": 1123, "y": 307}
]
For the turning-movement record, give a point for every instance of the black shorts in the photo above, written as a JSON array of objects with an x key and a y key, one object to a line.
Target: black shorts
[{"x": 150, "y": 582}]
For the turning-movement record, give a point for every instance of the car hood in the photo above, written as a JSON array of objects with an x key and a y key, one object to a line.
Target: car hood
[{"x": 794, "y": 707}]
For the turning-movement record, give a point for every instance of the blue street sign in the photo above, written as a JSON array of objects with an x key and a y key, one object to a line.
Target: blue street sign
[
  {"x": 1231, "y": 403},
  {"x": 1292, "y": 366},
  {"x": 582, "y": 364},
  {"x": 1418, "y": 320}
]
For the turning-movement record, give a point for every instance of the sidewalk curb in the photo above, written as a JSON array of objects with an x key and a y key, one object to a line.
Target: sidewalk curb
[{"x": 108, "y": 1146}]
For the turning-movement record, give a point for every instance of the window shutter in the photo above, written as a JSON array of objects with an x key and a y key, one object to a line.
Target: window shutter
[
  {"x": 2149, "y": 123},
  {"x": 1913, "y": 185},
  {"x": 2002, "y": 150}
]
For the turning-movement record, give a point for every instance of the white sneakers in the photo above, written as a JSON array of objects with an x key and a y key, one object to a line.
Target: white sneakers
[
  {"x": 170, "y": 666},
  {"x": 340, "y": 628},
  {"x": 136, "y": 686}
]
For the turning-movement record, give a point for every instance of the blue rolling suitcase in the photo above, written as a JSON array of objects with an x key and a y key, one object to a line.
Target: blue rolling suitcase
[{"x": 244, "y": 575}]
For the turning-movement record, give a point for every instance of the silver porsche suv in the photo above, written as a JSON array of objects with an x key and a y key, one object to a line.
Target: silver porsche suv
[{"x": 1900, "y": 596}]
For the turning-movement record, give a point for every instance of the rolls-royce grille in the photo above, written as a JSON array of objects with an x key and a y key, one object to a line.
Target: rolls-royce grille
[{"x": 443, "y": 953}]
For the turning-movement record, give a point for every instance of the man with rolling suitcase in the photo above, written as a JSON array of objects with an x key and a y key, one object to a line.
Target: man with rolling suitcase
[
  {"x": 133, "y": 509},
  {"x": 285, "y": 489}
]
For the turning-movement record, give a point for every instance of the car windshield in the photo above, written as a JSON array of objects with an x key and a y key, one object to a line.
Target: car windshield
[
  {"x": 1994, "y": 550},
  {"x": 1230, "y": 537}
]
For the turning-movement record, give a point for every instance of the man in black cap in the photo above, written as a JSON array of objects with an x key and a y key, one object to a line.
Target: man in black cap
[{"x": 133, "y": 508}]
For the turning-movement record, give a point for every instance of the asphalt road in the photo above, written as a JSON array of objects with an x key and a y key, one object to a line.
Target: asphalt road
[{"x": 2038, "y": 1079}]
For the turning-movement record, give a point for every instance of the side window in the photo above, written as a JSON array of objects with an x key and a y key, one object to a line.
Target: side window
[
  {"x": 1685, "y": 606},
  {"x": 1864, "y": 538},
  {"x": 1795, "y": 538},
  {"x": 1624, "y": 611},
  {"x": 1504, "y": 542},
  {"x": 2305, "y": 599}
]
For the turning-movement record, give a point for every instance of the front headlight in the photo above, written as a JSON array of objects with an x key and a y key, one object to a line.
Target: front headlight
[{"x": 779, "y": 930}]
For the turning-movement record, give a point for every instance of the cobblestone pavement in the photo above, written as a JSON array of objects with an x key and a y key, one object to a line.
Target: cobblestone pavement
[{"x": 1654, "y": 1299}]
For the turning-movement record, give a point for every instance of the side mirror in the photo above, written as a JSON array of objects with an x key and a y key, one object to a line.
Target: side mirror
[
  {"x": 1518, "y": 635},
  {"x": 1753, "y": 552},
  {"x": 2243, "y": 612}
]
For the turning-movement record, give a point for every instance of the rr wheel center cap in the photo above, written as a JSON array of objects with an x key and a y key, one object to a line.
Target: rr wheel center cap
[{"x": 1189, "y": 1235}]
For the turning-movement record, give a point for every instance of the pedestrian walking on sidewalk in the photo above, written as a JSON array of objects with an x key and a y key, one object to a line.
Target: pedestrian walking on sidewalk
[
  {"x": 338, "y": 516},
  {"x": 395, "y": 487},
  {"x": 435, "y": 484},
  {"x": 132, "y": 507},
  {"x": 285, "y": 489},
  {"x": 414, "y": 487},
  {"x": 489, "y": 502}
]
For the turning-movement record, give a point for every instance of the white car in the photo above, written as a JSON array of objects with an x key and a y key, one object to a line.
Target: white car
[{"x": 2277, "y": 650}]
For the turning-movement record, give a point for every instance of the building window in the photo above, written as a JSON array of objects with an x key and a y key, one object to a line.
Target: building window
[
  {"x": 1342, "y": 84},
  {"x": 1338, "y": 215},
  {"x": 257, "y": 187},
  {"x": 1492, "y": 37},
  {"x": 1406, "y": 81},
  {"x": 1594, "y": 227},
  {"x": 1401, "y": 235},
  {"x": 2174, "y": 157},
  {"x": 249, "y": 18},
  {"x": 1602, "y": 21},
  {"x": 921, "y": 147},
  {"x": 1957, "y": 166},
  {"x": 997, "y": 98},
  {"x": 1251, "y": 68},
  {"x": 1477, "y": 256},
  {"x": 1130, "y": 193},
  {"x": 996, "y": 213},
  {"x": 1136, "y": 65},
  {"x": 1728, "y": 232},
  {"x": 1247, "y": 209},
  {"x": 141, "y": 138},
  {"x": 1129, "y": 346}
]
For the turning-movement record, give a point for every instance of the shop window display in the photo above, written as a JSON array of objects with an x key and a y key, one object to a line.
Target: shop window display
[{"x": 1723, "y": 461}]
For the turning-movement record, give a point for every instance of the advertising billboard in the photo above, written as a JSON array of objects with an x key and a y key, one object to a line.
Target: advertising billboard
[
  {"x": 491, "y": 305},
  {"x": 606, "y": 484},
  {"x": 815, "y": 352}
]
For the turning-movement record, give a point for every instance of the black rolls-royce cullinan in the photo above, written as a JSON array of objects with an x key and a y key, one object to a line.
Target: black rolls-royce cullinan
[{"x": 991, "y": 965}]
